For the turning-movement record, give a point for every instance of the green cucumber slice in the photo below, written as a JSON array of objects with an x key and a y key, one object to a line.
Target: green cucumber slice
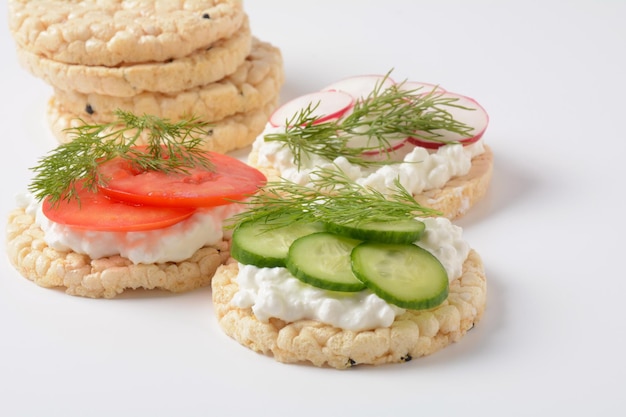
[
  {"x": 266, "y": 244},
  {"x": 396, "y": 231},
  {"x": 401, "y": 274},
  {"x": 323, "y": 260}
]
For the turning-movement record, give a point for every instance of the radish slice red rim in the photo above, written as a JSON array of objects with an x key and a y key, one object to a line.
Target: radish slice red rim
[
  {"x": 325, "y": 105},
  {"x": 361, "y": 86},
  {"x": 420, "y": 88},
  {"x": 476, "y": 118},
  {"x": 394, "y": 146},
  {"x": 372, "y": 146}
]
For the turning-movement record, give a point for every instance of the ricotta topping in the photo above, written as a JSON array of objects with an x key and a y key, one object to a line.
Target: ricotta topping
[
  {"x": 418, "y": 170},
  {"x": 170, "y": 244},
  {"x": 274, "y": 292}
]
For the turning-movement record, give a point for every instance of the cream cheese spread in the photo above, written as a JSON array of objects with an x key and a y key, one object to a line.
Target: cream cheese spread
[
  {"x": 274, "y": 292},
  {"x": 418, "y": 169},
  {"x": 170, "y": 244}
]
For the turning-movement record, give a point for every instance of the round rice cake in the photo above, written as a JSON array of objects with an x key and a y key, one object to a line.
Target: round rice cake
[
  {"x": 412, "y": 334},
  {"x": 231, "y": 133},
  {"x": 201, "y": 67},
  {"x": 121, "y": 32},
  {"x": 461, "y": 193},
  {"x": 255, "y": 82},
  {"x": 453, "y": 200},
  {"x": 105, "y": 277}
]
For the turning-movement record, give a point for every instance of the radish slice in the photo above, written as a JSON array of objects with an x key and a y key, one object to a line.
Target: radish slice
[
  {"x": 361, "y": 86},
  {"x": 478, "y": 119},
  {"x": 328, "y": 105},
  {"x": 420, "y": 88},
  {"x": 395, "y": 143}
]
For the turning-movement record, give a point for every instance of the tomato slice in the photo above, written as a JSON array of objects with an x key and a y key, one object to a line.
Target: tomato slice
[
  {"x": 95, "y": 211},
  {"x": 230, "y": 180}
]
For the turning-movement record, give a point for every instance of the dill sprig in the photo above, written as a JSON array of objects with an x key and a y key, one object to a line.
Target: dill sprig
[
  {"x": 170, "y": 147},
  {"x": 333, "y": 197},
  {"x": 383, "y": 114}
]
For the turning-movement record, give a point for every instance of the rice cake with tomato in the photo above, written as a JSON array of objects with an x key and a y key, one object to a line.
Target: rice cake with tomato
[
  {"x": 105, "y": 277},
  {"x": 144, "y": 229}
]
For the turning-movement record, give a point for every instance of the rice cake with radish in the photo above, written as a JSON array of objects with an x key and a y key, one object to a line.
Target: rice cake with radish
[{"x": 377, "y": 131}]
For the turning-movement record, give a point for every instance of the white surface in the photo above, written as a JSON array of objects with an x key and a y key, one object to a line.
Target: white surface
[{"x": 551, "y": 233}]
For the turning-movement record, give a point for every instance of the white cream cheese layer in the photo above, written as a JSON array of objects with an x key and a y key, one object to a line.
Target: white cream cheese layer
[
  {"x": 274, "y": 292},
  {"x": 418, "y": 171},
  {"x": 170, "y": 244}
]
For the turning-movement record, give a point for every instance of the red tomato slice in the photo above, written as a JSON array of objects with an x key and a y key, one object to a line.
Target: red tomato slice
[
  {"x": 95, "y": 211},
  {"x": 230, "y": 180}
]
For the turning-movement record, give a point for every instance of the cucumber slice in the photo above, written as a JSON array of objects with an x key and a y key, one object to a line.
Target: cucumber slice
[
  {"x": 396, "y": 231},
  {"x": 401, "y": 274},
  {"x": 265, "y": 244},
  {"x": 323, "y": 260}
]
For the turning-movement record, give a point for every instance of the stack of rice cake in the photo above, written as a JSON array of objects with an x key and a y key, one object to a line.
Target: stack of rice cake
[{"x": 171, "y": 59}]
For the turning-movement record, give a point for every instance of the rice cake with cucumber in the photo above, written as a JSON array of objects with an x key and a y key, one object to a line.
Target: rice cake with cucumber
[
  {"x": 378, "y": 131},
  {"x": 348, "y": 279}
]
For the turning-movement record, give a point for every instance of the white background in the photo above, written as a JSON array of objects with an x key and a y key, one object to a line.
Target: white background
[{"x": 551, "y": 233}]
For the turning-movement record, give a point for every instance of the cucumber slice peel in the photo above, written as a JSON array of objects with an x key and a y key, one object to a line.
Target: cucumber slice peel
[
  {"x": 266, "y": 243},
  {"x": 395, "y": 269},
  {"x": 323, "y": 260},
  {"x": 402, "y": 274},
  {"x": 395, "y": 231}
]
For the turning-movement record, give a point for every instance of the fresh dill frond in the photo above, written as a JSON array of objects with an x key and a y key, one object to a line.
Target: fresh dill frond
[
  {"x": 383, "y": 115},
  {"x": 332, "y": 197},
  {"x": 169, "y": 147}
]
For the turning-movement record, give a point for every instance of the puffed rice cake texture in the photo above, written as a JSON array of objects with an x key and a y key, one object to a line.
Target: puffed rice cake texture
[
  {"x": 120, "y": 32},
  {"x": 412, "y": 335},
  {"x": 199, "y": 68},
  {"x": 255, "y": 82},
  {"x": 105, "y": 277},
  {"x": 453, "y": 200},
  {"x": 229, "y": 134}
]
